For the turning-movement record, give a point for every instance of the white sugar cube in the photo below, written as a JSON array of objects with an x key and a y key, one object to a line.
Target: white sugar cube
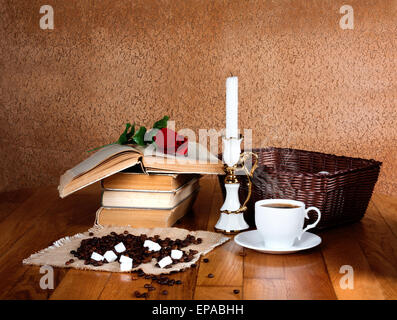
[
  {"x": 110, "y": 256},
  {"x": 149, "y": 243},
  {"x": 165, "y": 262},
  {"x": 126, "y": 266},
  {"x": 96, "y": 256},
  {"x": 176, "y": 254},
  {"x": 125, "y": 259},
  {"x": 119, "y": 247},
  {"x": 155, "y": 247}
]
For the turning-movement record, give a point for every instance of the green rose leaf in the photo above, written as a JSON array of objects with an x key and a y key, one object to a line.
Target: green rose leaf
[
  {"x": 124, "y": 137},
  {"x": 161, "y": 123},
  {"x": 139, "y": 136}
]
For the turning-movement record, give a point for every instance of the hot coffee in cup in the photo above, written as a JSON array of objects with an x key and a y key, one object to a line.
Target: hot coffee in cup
[{"x": 280, "y": 222}]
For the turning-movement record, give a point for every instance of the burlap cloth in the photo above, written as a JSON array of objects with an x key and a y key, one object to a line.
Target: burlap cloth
[{"x": 57, "y": 254}]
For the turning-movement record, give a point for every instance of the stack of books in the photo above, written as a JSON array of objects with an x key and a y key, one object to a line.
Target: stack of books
[
  {"x": 141, "y": 188},
  {"x": 146, "y": 200}
]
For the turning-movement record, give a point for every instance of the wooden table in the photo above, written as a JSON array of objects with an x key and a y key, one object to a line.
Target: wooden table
[{"x": 31, "y": 219}]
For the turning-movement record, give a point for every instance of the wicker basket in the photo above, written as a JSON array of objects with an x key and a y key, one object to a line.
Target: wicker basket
[{"x": 340, "y": 187}]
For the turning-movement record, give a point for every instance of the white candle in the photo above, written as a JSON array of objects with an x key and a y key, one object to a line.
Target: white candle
[{"x": 232, "y": 107}]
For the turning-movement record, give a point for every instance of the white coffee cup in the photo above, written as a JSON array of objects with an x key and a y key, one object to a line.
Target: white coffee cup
[{"x": 281, "y": 226}]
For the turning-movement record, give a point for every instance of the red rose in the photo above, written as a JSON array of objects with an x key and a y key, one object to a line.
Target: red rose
[{"x": 169, "y": 142}]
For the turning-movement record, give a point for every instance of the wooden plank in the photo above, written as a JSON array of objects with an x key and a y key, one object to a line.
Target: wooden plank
[
  {"x": 26, "y": 215},
  {"x": 198, "y": 218},
  {"x": 217, "y": 201},
  {"x": 122, "y": 286},
  {"x": 306, "y": 276},
  {"x": 74, "y": 214},
  {"x": 77, "y": 284},
  {"x": 340, "y": 248},
  {"x": 183, "y": 291},
  {"x": 225, "y": 264},
  {"x": 387, "y": 207},
  {"x": 28, "y": 286},
  {"x": 263, "y": 266},
  {"x": 11, "y": 200},
  {"x": 380, "y": 248},
  {"x": 217, "y": 293},
  {"x": 265, "y": 289}
]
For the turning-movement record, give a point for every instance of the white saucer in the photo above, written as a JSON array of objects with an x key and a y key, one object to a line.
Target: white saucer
[{"x": 252, "y": 240}]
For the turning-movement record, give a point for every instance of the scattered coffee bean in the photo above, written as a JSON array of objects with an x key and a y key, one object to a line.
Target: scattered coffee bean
[
  {"x": 178, "y": 281},
  {"x": 125, "y": 232},
  {"x": 151, "y": 288},
  {"x": 91, "y": 234},
  {"x": 148, "y": 276},
  {"x": 147, "y": 285},
  {"x": 137, "y": 294},
  {"x": 236, "y": 291},
  {"x": 210, "y": 275},
  {"x": 193, "y": 265},
  {"x": 206, "y": 260},
  {"x": 71, "y": 260}
]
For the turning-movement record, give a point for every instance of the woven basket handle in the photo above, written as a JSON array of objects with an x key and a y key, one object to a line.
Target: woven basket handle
[{"x": 243, "y": 158}]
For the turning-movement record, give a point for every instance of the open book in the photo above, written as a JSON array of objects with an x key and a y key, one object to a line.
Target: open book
[{"x": 115, "y": 158}]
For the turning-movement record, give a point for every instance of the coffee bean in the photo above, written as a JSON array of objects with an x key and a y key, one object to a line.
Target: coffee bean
[
  {"x": 137, "y": 294},
  {"x": 147, "y": 285},
  {"x": 67, "y": 262},
  {"x": 178, "y": 281},
  {"x": 125, "y": 232},
  {"x": 151, "y": 288},
  {"x": 148, "y": 276},
  {"x": 91, "y": 234},
  {"x": 210, "y": 275},
  {"x": 71, "y": 260},
  {"x": 236, "y": 291},
  {"x": 206, "y": 260},
  {"x": 193, "y": 265}
]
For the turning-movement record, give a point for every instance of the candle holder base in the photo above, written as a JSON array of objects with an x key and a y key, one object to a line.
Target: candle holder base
[{"x": 231, "y": 223}]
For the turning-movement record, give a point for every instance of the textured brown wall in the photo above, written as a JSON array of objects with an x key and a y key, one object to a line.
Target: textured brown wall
[{"x": 304, "y": 82}]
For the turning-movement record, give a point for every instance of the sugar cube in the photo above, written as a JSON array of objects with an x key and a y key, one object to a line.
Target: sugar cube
[
  {"x": 176, "y": 254},
  {"x": 155, "y": 247},
  {"x": 126, "y": 266},
  {"x": 149, "y": 243},
  {"x": 120, "y": 247},
  {"x": 125, "y": 259},
  {"x": 96, "y": 256},
  {"x": 165, "y": 262},
  {"x": 110, "y": 256}
]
